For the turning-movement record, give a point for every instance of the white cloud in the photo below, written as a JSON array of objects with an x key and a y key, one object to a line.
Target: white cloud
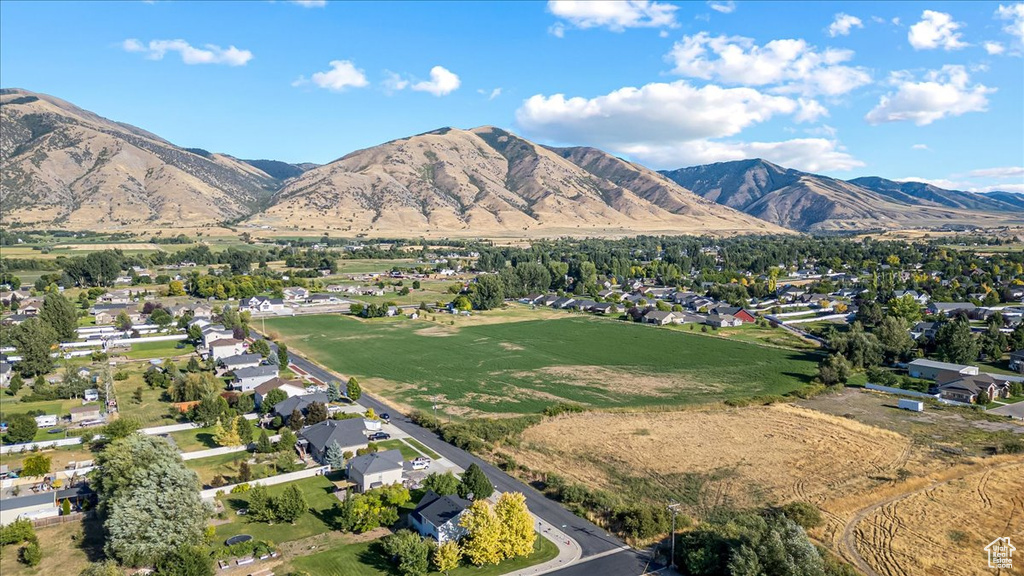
[
  {"x": 896, "y": 21},
  {"x": 790, "y": 65},
  {"x": 1015, "y": 14},
  {"x": 940, "y": 182},
  {"x": 343, "y": 74},
  {"x": 1002, "y": 172},
  {"x": 945, "y": 92},
  {"x": 919, "y": 147},
  {"x": 442, "y": 81},
  {"x": 615, "y": 15},
  {"x": 676, "y": 124},
  {"x": 842, "y": 25},
  {"x": 725, "y": 7},
  {"x": 935, "y": 30},
  {"x": 491, "y": 94},
  {"x": 994, "y": 48},
  {"x": 310, "y": 3},
  {"x": 557, "y": 30},
  {"x": 809, "y": 110},
  {"x": 208, "y": 54},
  {"x": 394, "y": 82}
]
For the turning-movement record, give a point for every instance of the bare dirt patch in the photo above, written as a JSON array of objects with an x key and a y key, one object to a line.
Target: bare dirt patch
[
  {"x": 615, "y": 380},
  {"x": 436, "y": 331},
  {"x": 511, "y": 346}
]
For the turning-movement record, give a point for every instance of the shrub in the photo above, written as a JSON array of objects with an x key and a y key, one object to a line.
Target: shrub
[
  {"x": 563, "y": 408},
  {"x": 241, "y": 488},
  {"x": 31, "y": 554},
  {"x": 806, "y": 515}
]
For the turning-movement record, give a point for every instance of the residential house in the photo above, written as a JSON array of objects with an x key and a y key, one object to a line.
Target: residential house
[
  {"x": 930, "y": 369},
  {"x": 295, "y": 294},
  {"x": 262, "y": 304},
  {"x": 961, "y": 388},
  {"x": 232, "y": 363},
  {"x": 723, "y": 321},
  {"x": 247, "y": 379},
  {"x": 583, "y": 305},
  {"x": 371, "y": 471},
  {"x": 107, "y": 313},
  {"x": 438, "y": 517},
  {"x": 214, "y": 332},
  {"x": 84, "y": 413},
  {"x": 29, "y": 309},
  {"x": 950, "y": 308},
  {"x": 1017, "y": 361},
  {"x": 285, "y": 407},
  {"x": 562, "y": 302},
  {"x": 658, "y": 317},
  {"x": 920, "y": 297},
  {"x": 349, "y": 434},
  {"x": 32, "y": 506},
  {"x": 926, "y": 330},
  {"x": 603, "y": 308},
  {"x": 115, "y": 297},
  {"x": 289, "y": 387},
  {"x": 224, "y": 347},
  {"x": 15, "y": 319},
  {"x": 5, "y": 374},
  {"x": 741, "y": 313}
]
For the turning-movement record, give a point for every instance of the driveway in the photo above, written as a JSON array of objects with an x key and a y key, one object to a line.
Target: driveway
[{"x": 1011, "y": 410}]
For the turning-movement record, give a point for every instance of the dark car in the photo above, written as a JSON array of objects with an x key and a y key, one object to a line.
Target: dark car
[
  {"x": 380, "y": 436},
  {"x": 386, "y": 418}
]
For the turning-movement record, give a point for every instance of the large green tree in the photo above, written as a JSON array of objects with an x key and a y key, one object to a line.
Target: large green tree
[
  {"x": 487, "y": 293},
  {"x": 61, "y": 315},
  {"x": 20, "y": 428},
  {"x": 475, "y": 484},
  {"x": 955, "y": 343},
  {"x": 895, "y": 339},
  {"x": 34, "y": 340},
  {"x": 148, "y": 500}
]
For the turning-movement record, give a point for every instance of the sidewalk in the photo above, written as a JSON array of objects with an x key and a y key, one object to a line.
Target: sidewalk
[{"x": 568, "y": 550}]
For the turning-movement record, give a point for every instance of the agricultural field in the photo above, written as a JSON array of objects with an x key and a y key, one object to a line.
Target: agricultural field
[{"x": 521, "y": 361}]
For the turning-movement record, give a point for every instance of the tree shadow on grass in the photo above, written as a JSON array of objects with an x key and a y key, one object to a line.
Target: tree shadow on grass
[
  {"x": 375, "y": 557},
  {"x": 206, "y": 439},
  {"x": 92, "y": 538}
]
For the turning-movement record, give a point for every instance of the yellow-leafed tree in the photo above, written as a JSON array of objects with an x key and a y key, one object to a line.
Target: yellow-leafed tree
[
  {"x": 482, "y": 545},
  {"x": 517, "y": 534},
  {"x": 447, "y": 556}
]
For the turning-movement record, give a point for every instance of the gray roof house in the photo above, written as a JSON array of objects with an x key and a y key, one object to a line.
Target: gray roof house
[
  {"x": 285, "y": 407},
  {"x": 241, "y": 361},
  {"x": 349, "y": 434},
  {"x": 1017, "y": 361},
  {"x": 374, "y": 470},
  {"x": 248, "y": 378},
  {"x": 438, "y": 517},
  {"x": 931, "y": 369}
]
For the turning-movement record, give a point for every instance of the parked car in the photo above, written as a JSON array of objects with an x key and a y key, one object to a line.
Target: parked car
[
  {"x": 420, "y": 463},
  {"x": 386, "y": 418},
  {"x": 379, "y": 436}
]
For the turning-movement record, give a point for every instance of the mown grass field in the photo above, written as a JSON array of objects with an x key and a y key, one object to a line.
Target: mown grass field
[
  {"x": 496, "y": 366},
  {"x": 319, "y": 496}
]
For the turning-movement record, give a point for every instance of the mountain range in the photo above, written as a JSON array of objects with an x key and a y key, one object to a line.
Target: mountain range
[{"x": 63, "y": 166}]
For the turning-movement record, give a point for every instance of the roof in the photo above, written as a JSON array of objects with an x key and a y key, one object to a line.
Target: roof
[
  {"x": 275, "y": 383},
  {"x": 256, "y": 371},
  {"x": 241, "y": 359},
  {"x": 925, "y": 363},
  {"x": 84, "y": 409},
  {"x": 225, "y": 342},
  {"x": 346, "y": 433},
  {"x": 30, "y": 500},
  {"x": 285, "y": 407},
  {"x": 439, "y": 510},
  {"x": 658, "y": 315},
  {"x": 385, "y": 461}
]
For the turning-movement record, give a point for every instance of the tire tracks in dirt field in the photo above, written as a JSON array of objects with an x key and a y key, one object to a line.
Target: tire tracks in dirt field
[{"x": 847, "y": 544}]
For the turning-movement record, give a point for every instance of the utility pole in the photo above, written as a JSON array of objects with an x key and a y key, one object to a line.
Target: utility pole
[{"x": 674, "y": 508}]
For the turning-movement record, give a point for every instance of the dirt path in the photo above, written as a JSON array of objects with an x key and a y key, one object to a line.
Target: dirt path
[{"x": 848, "y": 540}]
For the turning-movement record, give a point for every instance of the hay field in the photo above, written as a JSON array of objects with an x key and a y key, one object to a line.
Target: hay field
[
  {"x": 943, "y": 529},
  {"x": 749, "y": 456}
]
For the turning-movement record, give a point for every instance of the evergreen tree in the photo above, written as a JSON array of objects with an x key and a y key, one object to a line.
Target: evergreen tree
[
  {"x": 333, "y": 392},
  {"x": 295, "y": 420},
  {"x": 315, "y": 413},
  {"x": 282, "y": 354},
  {"x": 334, "y": 457},
  {"x": 245, "y": 430},
  {"x": 475, "y": 484},
  {"x": 263, "y": 445},
  {"x": 955, "y": 343},
  {"x": 291, "y": 504}
]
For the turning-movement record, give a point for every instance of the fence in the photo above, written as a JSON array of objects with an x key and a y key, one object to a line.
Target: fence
[
  {"x": 916, "y": 394},
  {"x": 28, "y": 447},
  {"x": 818, "y": 319},
  {"x": 211, "y": 493},
  {"x": 54, "y": 520}
]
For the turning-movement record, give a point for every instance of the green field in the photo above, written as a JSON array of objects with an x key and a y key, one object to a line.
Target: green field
[
  {"x": 491, "y": 366},
  {"x": 319, "y": 496},
  {"x": 158, "y": 350}
]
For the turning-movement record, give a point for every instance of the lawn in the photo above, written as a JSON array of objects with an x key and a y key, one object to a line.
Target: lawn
[
  {"x": 193, "y": 439},
  {"x": 408, "y": 452},
  {"x": 487, "y": 364},
  {"x": 365, "y": 559},
  {"x": 152, "y": 410},
  {"x": 158, "y": 350},
  {"x": 318, "y": 491},
  {"x": 419, "y": 446}
]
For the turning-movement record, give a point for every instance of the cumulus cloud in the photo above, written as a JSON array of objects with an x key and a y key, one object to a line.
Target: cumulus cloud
[
  {"x": 1015, "y": 14},
  {"x": 343, "y": 74},
  {"x": 615, "y": 15},
  {"x": 394, "y": 82},
  {"x": 208, "y": 54},
  {"x": 944, "y": 92},
  {"x": 935, "y": 30},
  {"x": 726, "y": 7},
  {"x": 677, "y": 124},
  {"x": 994, "y": 48},
  {"x": 442, "y": 81},
  {"x": 842, "y": 25},
  {"x": 788, "y": 65}
]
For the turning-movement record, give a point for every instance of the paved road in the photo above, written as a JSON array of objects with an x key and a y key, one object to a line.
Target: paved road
[
  {"x": 615, "y": 557},
  {"x": 1015, "y": 410}
]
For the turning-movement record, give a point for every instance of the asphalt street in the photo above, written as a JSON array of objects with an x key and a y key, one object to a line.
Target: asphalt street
[{"x": 592, "y": 540}]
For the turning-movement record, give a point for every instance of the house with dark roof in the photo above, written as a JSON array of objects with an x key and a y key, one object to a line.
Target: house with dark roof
[
  {"x": 349, "y": 434},
  {"x": 374, "y": 470},
  {"x": 438, "y": 517},
  {"x": 285, "y": 407},
  {"x": 1017, "y": 361},
  {"x": 247, "y": 379},
  {"x": 967, "y": 388},
  {"x": 231, "y": 363}
]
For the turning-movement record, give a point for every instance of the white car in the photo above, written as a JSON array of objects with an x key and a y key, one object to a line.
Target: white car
[{"x": 420, "y": 463}]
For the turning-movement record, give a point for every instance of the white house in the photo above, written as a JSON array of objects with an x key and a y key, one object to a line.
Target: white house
[
  {"x": 216, "y": 332},
  {"x": 247, "y": 379},
  {"x": 262, "y": 304},
  {"x": 375, "y": 470},
  {"x": 289, "y": 387},
  {"x": 225, "y": 347},
  {"x": 438, "y": 517}
]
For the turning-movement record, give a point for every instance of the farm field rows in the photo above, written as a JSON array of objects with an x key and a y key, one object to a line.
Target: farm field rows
[{"x": 491, "y": 364}]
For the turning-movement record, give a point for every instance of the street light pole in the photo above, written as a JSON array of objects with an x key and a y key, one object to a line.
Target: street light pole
[{"x": 672, "y": 559}]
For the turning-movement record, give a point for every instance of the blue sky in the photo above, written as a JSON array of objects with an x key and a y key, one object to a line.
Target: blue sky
[{"x": 902, "y": 90}]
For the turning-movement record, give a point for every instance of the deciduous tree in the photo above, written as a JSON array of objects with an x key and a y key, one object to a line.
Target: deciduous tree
[
  {"x": 482, "y": 545},
  {"x": 61, "y": 315},
  {"x": 517, "y": 533}
]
